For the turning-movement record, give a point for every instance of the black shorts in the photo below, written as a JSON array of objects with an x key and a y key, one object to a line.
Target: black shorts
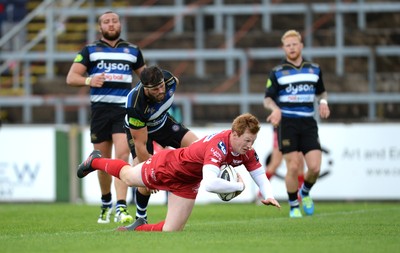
[
  {"x": 171, "y": 135},
  {"x": 106, "y": 121},
  {"x": 298, "y": 134}
]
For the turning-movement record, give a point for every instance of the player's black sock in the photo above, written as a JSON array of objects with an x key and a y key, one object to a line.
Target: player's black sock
[
  {"x": 141, "y": 204},
  {"x": 293, "y": 201},
  {"x": 120, "y": 203},
  {"x": 106, "y": 200},
  {"x": 306, "y": 187}
]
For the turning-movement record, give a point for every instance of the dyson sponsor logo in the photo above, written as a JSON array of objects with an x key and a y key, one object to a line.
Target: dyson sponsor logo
[
  {"x": 112, "y": 66},
  {"x": 300, "y": 88}
]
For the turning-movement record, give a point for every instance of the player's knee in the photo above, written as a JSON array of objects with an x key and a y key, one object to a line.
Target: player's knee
[
  {"x": 314, "y": 170},
  {"x": 144, "y": 191}
]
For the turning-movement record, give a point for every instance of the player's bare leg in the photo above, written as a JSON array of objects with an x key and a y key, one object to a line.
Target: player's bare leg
[
  {"x": 313, "y": 161},
  {"x": 179, "y": 210}
]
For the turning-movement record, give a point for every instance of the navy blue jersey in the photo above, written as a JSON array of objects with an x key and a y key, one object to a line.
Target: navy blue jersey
[
  {"x": 142, "y": 112},
  {"x": 118, "y": 64},
  {"x": 294, "y": 88}
]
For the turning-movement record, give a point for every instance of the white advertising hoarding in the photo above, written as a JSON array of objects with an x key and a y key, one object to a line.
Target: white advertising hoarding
[
  {"x": 27, "y": 163},
  {"x": 360, "y": 162},
  {"x": 363, "y": 162}
]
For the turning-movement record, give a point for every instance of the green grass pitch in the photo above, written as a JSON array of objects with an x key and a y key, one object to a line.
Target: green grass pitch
[{"x": 335, "y": 227}]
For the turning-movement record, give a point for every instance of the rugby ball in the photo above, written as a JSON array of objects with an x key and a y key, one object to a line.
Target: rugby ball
[{"x": 228, "y": 173}]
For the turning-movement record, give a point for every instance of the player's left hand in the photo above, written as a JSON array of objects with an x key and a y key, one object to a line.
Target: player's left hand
[
  {"x": 271, "y": 202},
  {"x": 324, "y": 111}
]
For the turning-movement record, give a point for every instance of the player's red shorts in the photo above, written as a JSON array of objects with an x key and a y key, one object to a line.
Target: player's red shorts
[{"x": 163, "y": 172}]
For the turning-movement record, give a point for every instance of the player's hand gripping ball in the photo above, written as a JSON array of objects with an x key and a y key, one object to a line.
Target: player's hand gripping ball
[{"x": 228, "y": 173}]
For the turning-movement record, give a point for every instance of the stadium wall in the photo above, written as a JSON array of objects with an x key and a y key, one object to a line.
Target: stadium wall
[{"x": 360, "y": 162}]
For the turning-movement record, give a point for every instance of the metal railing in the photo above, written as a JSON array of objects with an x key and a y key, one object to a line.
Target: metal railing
[{"x": 185, "y": 100}]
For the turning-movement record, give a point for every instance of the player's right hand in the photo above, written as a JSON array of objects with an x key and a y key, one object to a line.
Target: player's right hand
[
  {"x": 98, "y": 80},
  {"x": 271, "y": 202}
]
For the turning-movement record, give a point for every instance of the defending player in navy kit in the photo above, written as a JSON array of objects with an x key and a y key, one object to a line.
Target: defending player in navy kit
[{"x": 148, "y": 120}]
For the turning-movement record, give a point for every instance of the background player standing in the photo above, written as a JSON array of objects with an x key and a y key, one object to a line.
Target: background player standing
[
  {"x": 290, "y": 93},
  {"x": 107, "y": 66}
]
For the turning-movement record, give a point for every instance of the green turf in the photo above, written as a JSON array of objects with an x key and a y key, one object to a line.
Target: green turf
[{"x": 335, "y": 227}]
